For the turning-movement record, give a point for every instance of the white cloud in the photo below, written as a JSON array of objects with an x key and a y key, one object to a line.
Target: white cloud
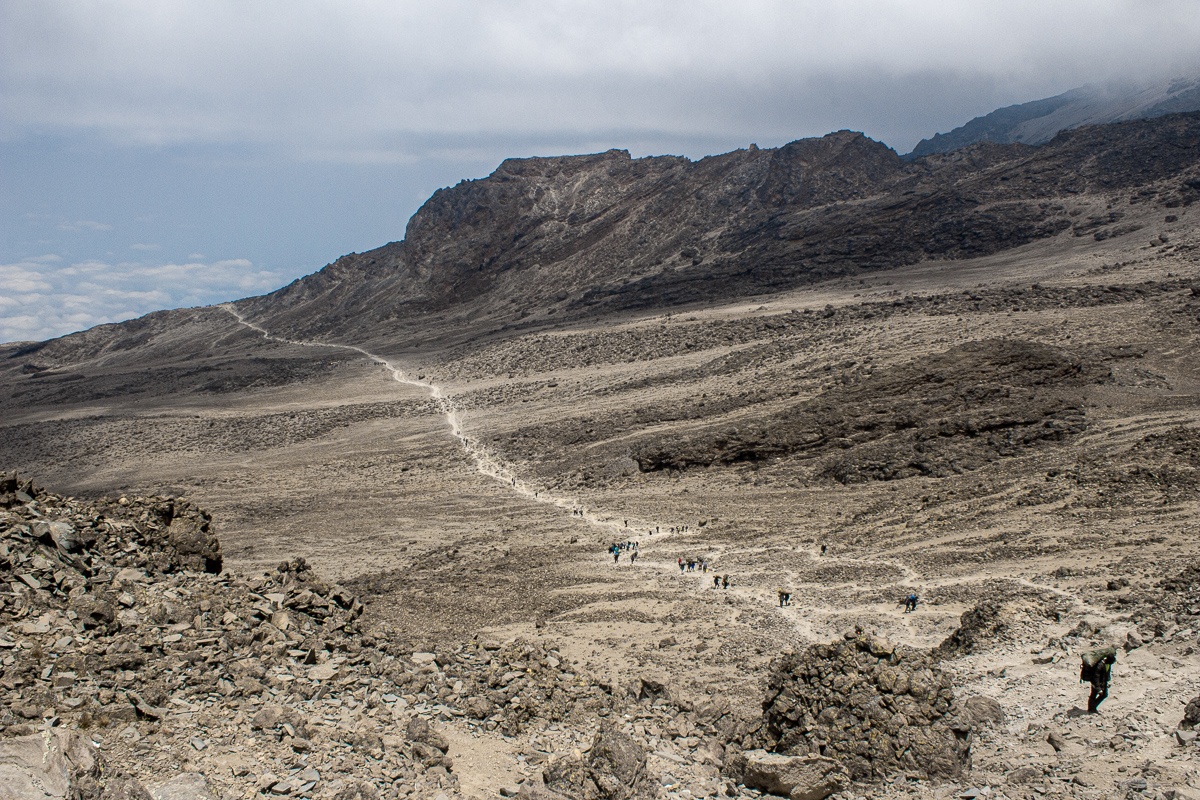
[
  {"x": 41, "y": 299},
  {"x": 343, "y": 81},
  {"x": 145, "y": 247},
  {"x": 84, "y": 225}
]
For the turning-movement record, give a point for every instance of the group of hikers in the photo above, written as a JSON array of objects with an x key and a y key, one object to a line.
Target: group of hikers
[
  {"x": 624, "y": 547},
  {"x": 1096, "y": 669}
]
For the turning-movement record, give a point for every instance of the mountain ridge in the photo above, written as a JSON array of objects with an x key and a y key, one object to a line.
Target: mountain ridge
[
  {"x": 605, "y": 232},
  {"x": 1037, "y": 121}
]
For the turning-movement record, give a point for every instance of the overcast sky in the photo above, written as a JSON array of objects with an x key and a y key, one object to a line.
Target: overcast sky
[{"x": 157, "y": 154}]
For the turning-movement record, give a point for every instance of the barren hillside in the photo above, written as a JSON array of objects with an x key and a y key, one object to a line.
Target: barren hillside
[{"x": 972, "y": 378}]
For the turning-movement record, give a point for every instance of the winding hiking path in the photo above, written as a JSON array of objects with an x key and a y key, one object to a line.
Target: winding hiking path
[
  {"x": 486, "y": 463},
  {"x": 489, "y": 465}
]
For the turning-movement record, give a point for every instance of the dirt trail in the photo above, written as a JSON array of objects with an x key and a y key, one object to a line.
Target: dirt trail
[
  {"x": 489, "y": 465},
  {"x": 486, "y": 463}
]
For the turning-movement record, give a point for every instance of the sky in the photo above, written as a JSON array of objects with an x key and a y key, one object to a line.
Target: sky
[{"x": 160, "y": 154}]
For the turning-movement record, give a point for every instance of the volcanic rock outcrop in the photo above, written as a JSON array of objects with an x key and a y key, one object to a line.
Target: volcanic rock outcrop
[
  {"x": 873, "y": 707},
  {"x": 951, "y": 412}
]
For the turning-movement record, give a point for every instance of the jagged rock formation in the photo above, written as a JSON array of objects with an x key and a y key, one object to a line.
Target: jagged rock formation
[
  {"x": 583, "y": 234},
  {"x": 1036, "y": 122},
  {"x": 873, "y": 707}
]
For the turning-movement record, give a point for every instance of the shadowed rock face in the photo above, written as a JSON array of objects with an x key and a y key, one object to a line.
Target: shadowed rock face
[
  {"x": 585, "y": 234},
  {"x": 948, "y": 413},
  {"x": 1037, "y": 121}
]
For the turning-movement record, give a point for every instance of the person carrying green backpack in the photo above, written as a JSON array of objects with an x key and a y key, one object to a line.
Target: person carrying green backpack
[{"x": 1097, "y": 670}]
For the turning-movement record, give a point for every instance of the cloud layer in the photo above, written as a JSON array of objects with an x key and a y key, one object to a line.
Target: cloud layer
[
  {"x": 44, "y": 298},
  {"x": 362, "y": 79}
]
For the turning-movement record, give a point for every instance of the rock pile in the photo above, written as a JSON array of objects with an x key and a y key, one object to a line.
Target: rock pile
[
  {"x": 875, "y": 708},
  {"x": 978, "y": 627},
  {"x": 114, "y": 621}
]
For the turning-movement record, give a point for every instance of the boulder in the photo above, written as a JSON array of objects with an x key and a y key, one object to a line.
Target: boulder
[
  {"x": 1191, "y": 714},
  {"x": 617, "y": 764},
  {"x": 982, "y": 712},
  {"x": 795, "y": 777},
  {"x": 185, "y": 786},
  {"x": 420, "y": 730},
  {"x": 54, "y": 764},
  {"x": 197, "y": 549}
]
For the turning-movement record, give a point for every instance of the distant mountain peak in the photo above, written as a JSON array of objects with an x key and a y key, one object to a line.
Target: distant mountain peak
[{"x": 1037, "y": 122}]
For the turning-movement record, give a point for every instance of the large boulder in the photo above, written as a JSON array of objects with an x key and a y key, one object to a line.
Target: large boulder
[
  {"x": 614, "y": 770},
  {"x": 420, "y": 730},
  {"x": 196, "y": 547},
  {"x": 50, "y": 765},
  {"x": 794, "y": 777},
  {"x": 874, "y": 708},
  {"x": 1191, "y": 714}
]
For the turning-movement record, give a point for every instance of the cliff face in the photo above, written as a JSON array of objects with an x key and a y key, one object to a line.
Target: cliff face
[
  {"x": 576, "y": 230},
  {"x": 583, "y": 234}
]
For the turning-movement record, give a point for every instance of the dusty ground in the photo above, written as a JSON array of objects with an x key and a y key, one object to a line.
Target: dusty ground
[{"x": 449, "y": 536}]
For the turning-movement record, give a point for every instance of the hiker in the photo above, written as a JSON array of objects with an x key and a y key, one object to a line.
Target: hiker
[
  {"x": 1097, "y": 670},
  {"x": 716, "y": 581},
  {"x": 783, "y": 597},
  {"x": 824, "y": 547},
  {"x": 724, "y": 581},
  {"x": 910, "y": 603},
  {"x": 633, "y": 558},
  {"x": 681, "y": 566}
]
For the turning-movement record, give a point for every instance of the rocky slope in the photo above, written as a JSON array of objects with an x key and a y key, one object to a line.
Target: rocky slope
[
  {"x": 578, "y": 235},
  {"x": 132, "y": 660},
  {"x": 1037, "y": 122}
]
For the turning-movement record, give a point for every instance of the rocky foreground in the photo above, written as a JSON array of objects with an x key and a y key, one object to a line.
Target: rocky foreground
[{"x": 134, "y": 667}]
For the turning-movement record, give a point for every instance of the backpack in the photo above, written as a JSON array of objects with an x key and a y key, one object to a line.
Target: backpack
[{"x": 1087, "y": 671}]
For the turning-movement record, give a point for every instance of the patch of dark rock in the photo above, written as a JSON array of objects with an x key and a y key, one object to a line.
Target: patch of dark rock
[
  {"x": 874, "y": 708},
  {"x": 978, "y": 629},
  {"x": 947, "y": 414}
]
